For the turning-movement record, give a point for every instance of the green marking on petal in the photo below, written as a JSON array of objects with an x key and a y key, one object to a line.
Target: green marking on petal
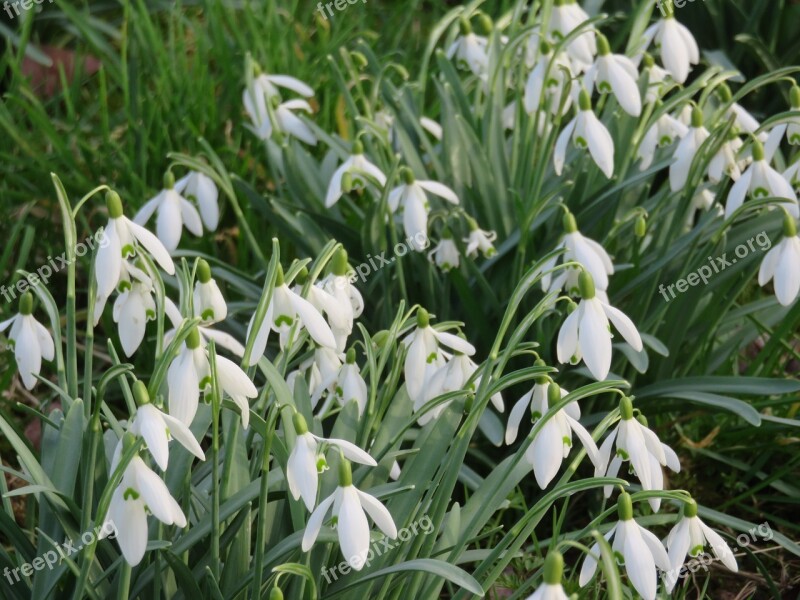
[
  {"x": 431, "y": 357},
  {"x": 127, "y": 251},
  {"x": 760, "y": 192},
  {"x": 284, "y": 320},
  {"x": 130, "y": 494},
  {"x": 581, "y": 142},
  {"x": 208, "y": 314}
]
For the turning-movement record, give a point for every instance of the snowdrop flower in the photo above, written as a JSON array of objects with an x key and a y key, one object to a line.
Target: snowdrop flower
[
  {"x": 124, "y": 240},
  {"x": 662, "y": 133},
  {"x": 157, "y": 428},
  {"x": 410, "y": 197},
  {"x": 793, "y": 130},
  {"x": 615, "y": 73},
  {"x": 349, "y": 504},
  {"x": 479, "y": 241},
  {"x": 725, "y": 162},
  {"x": 639, "y": 445},
  {"x": 678, "y": 47},
  {"x": 656, "y": 76},
  {"x": 325, "y": 368},
  {"x": 141, "y": 490},
  {"x": 347, "y": 305},
  {"x": 591, "y": 255},
  {"x": 207, "y": 300},
  {"x": 552, "y": 443},
  {"x": 281, "y": 117},
  {"x": 451, "y": 377},
  {"x": 743, "y": 120},
  {"x": 32, "y": 341},
  {"x": 469, "y": 50},
  {"x": 567, "y": 15},
  {"x": 355, "y": 167},
  {"x": 134, "y": 307},
  {"x": 174, "y": 211},
  {"x": 689, "y": 537},
  {"x": 792, "y": 175},
  {"x": 585, "y": 333},
  {"x": 686, "y": 150},
  {"x": 220, "y": 338},
  {"x": 284, "y": 309},
  {"x": 586, "y": 132},
  {"x": 761, "y": 181},
  {"x": 204, "y": 191},
  {"x": 350, "y": 384},
  {"x": 190, "y": 373},
  {"x": 302, "y": 472},
  {"x": 445, "y": 255},
  {"x": 549, "y": 83},
  {"x": 781, "y": 265},
  {"x": 424, "y": 353},
  {"x": 551, "y": 589},
  {"x": 268, "y": 85},
  {"x": 641, "y": 550}
]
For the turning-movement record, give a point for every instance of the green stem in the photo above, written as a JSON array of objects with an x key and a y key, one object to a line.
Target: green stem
[
  {"x": 261, "y": 533},
  {"x": 216, "y": 398}
]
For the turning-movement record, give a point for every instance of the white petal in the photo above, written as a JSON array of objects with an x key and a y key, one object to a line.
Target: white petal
[
  {"x": 379, "y": 513},
  {"x": 453, "y": 341},
  {"x": 515, "y": 417},
  {"x": 184, "y": 435},
  {"x": 351, "y": 451},
  {"x": 315, "y": 522},
  {"x": 738, "y": 192},
  {"x": 130, "y": 521},
  {"x": 440, "y": 190},
  {"x": 152, "y": 244},
  {"x": 316, "y": 326},
  {"x": 639, "y": 564},
  {"x": 719, "y": 547},
  {"x": 560, "y": 151},
  {"x": 191, "y": 218},
  {"x": 353, "y": 528},
  {"x": 151, "y": 427},
  {"x": 624, "y": 325},
  {"x": 595, "y": 339},
  {"x": 601, "y": 146}
]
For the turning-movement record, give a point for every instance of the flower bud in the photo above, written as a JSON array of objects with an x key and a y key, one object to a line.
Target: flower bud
[
  {"x": 640, "y": 226},
  {"x": 625, "y": 507},
  {"x": 553, "y": 568},
  {"x": 203, "y": 271},
  {"x": 26, "y": 304},
  {"x": 113, "y": 204},
  {"x": 140, "y": 394}
]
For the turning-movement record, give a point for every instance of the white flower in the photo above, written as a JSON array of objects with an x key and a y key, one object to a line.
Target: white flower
[
  {"x": 554, "y": 440},
  {"x": 548, "y": 93},
  {"x": 445, "y": 254},
  {"x": 656, "y": 76},
  {"x": 585, "y": 333},
  {"x": 157, "y": 427},
  {"x": 641, "y": 551},
  {"x": 678, "y": 47},
  {"x": 325, "y": 368},
  {"x": 284, "y": 309},
  {"x": 220, "y": 338},
  {"x": 689, "y": 537},
  {"x": 32, "y": 341},
  {"x": 302, "y": 474},
  {"x": 567, "y": 16},
  {"x": 639, "y": 445},
  {"x": 578, "y": 248},
  {"x": 350, "y": 384},
  {"x": 133, "y": 308},
  {"x": 586, "y": 131},
  {"x": 761, "y": 181},
  {"x": 268, "y": 85},
  {"x": 204, "y": 191},
  {"x": 615, "y": 73},
  {"x": 479, "y": 241},
  {"x": 140, "y": 491},
  {"x": 451, "y": 377},
  {"x": 686, "y": 150},
  {"x": 792, "y": 175},
  {"x": 424, "y": 356},
  {"x": 725, "y": 162},
  {"x": 469, "y": 51},
  {"x": 123, "y": 238},
  {"x": 551, "y": 589},
  {"x": 174, "y": 211},
  {"x": 190, "y": 373},
  {"x": 207, "y": 300},
  {"x": 662, "y": 133},
  {"x": 349, "y": 504},
  {"x": 355, "y": 167},
  {"x": 281, "y": 118},
  {"x": 782, "y": 265},
  {"x": 347, "y": 303},
  {"x": 411, "y": 199}
]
